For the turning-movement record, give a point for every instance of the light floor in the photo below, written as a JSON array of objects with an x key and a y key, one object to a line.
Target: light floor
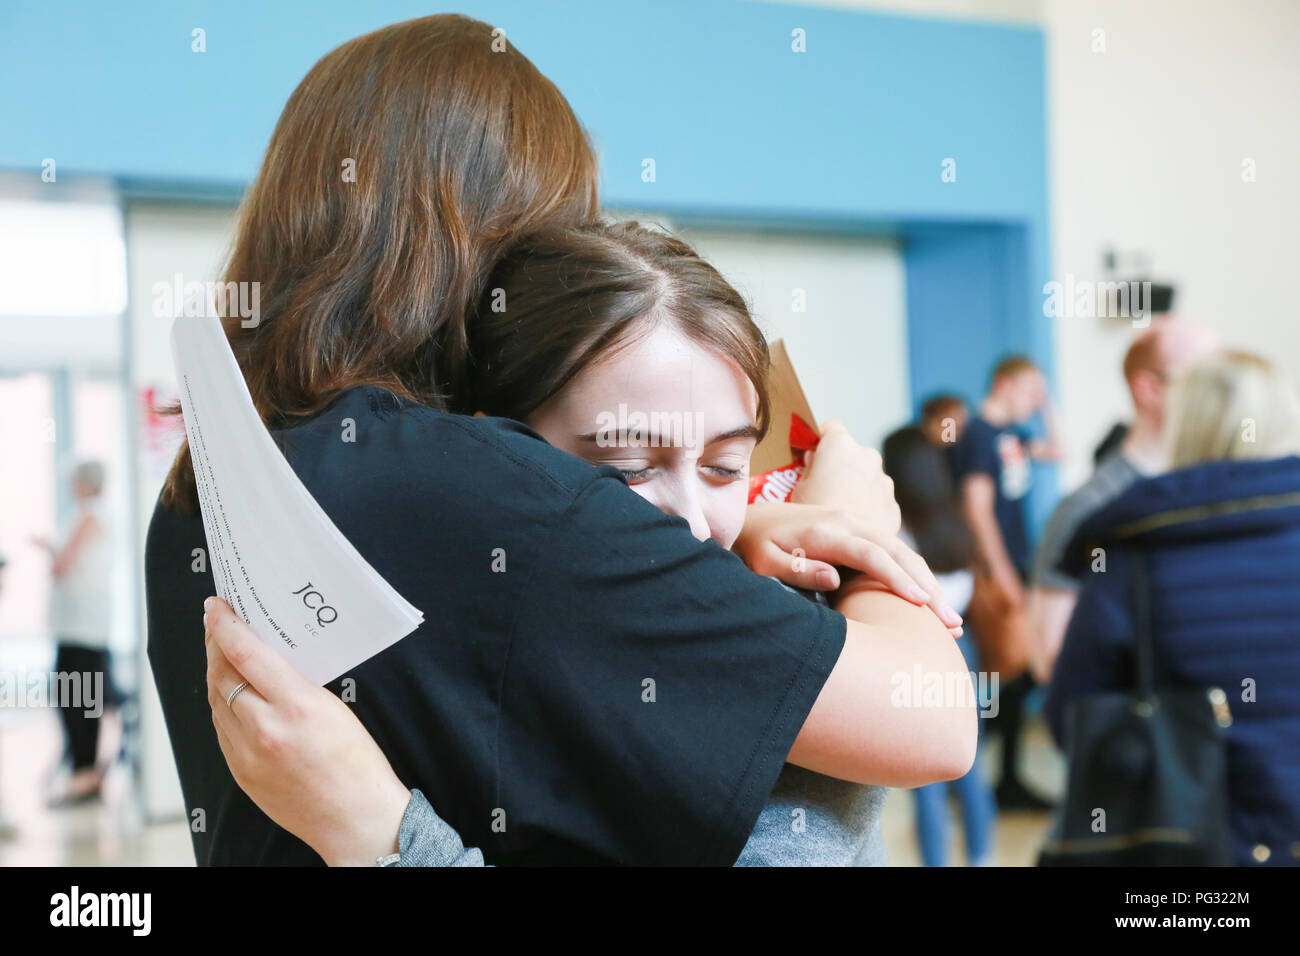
[{"x": 111, "y": 833}]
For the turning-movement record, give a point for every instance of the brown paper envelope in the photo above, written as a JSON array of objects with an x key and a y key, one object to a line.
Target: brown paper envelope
[{"x": 786, "y": 397}]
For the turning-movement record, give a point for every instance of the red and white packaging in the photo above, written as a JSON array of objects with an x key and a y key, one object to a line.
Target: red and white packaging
[{"x": 778, "y": 483}]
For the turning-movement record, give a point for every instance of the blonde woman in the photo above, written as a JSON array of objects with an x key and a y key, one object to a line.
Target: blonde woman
[
  {"x": 1232, "y": 406},
  {"x": 1221, "y": 538}
]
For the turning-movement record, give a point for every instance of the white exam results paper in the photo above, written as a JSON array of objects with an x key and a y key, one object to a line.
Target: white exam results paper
[{"x": 275, "y": 555}]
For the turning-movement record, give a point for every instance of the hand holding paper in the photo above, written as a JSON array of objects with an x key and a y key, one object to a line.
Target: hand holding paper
[{"x": 276, "y": 557}]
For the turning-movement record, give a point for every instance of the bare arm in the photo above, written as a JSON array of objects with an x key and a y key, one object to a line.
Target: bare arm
[
  {"x": 977, "y": 499},
  {"x": 308, "y": 763},
  {"x": 1047, "y": 448},
  {"x": 64, "y": 558},
  {"x": 860, "y": 727},
  {"x": 802, "y": 545},
  {"x": 856, "y": 729},
  {"x": 1049, "y": 611}
]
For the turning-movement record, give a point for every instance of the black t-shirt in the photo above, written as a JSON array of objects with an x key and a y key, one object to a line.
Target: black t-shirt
[
  {"x": 1000, "y": 453},
  {"x": 620, "y": 693}
]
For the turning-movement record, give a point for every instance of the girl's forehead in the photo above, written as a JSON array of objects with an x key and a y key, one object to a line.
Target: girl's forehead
[
  {"x": 661, "y": 383},
  {"x": 667, "y": 365}
]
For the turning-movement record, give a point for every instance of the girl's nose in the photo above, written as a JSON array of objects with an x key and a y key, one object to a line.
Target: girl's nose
[
  {"x": 699, "y": 526},
  {"x": 685, "y": 502}
]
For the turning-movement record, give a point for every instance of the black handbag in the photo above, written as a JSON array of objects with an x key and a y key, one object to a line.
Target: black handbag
[{"x": 1147, "y": 771}]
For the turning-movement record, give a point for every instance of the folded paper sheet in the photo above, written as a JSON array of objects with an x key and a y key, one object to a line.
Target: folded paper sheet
[{"x": 275, "y": 555}]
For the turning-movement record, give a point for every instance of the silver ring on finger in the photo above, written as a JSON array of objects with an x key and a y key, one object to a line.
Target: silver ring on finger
[{"x": 230, "y": 698}]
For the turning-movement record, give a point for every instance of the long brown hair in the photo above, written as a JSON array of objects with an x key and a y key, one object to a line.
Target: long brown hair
[
  {"x": 927, "y": 499},
  {"x": 403, "y": 165},
  {"x": 563, "y": 297}
]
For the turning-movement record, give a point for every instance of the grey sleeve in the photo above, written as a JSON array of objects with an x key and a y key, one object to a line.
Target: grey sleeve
[
  {"x": 1111, "y": 479},
  {"x": 425, "y": 839},
  {"x": 1060, "y": 529}
]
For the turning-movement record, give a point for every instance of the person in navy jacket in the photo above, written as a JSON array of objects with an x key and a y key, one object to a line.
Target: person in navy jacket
[{"x": 1221, "y": 536}]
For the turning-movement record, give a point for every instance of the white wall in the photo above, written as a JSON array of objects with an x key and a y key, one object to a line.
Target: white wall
[
  {"x": 849, "y": 347},
  {"x": 1147, "y": 143},
  {"x": 1148, "y": 140},
  {"x": 161, "y": 240}
]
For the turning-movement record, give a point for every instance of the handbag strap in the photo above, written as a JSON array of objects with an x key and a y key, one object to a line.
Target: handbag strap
[{"x": 1144, "y": 640}]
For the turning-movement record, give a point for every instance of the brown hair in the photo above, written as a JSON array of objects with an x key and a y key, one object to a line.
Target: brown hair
[
  {"x": 938, "y": 406},
  {"x": 563, "y": 297},
  {"x": 457, "y": 144},
  {"x": 1012, "y": 366},
  {"x": 1144, "y": 353}
]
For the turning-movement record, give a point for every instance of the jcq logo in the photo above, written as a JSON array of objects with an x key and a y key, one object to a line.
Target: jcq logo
[{"x": 315, "y": 601}]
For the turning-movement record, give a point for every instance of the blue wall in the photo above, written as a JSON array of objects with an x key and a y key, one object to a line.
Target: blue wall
[
  {"x": 856, "y": 127},
  {"x": 973, "y": 296},
  {"x": 850, "y": 135}
]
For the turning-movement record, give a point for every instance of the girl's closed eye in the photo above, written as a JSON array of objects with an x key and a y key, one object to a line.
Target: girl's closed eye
[
  {"x": 729, "y": 472},
  {"x": 729, "y": 460},
  {"x": 633, "y": 469}
]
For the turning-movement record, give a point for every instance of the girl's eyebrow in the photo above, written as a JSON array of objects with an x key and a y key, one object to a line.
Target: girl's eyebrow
[{"x": 744, "y": 431}]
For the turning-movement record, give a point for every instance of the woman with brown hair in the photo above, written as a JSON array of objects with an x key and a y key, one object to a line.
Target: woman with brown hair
[
  {"x": 403, "y": 166},
  {"x": 588, "y": 320}
]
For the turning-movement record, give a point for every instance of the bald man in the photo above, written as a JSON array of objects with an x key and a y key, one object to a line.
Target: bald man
[{"x": 1152, "y": 360}]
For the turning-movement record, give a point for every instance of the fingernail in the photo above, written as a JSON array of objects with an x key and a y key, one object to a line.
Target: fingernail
[
  {"x": 825, "y": 580},
  {"x": 956, "y": 631},
  {"x": 207, "y": 603}
]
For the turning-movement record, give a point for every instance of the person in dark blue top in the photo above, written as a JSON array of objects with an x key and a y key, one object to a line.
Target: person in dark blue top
[
  {"x": 991, "y": 465},
  {"x": 1221, "y": 540},
  {"x": 992, "y": 449}
]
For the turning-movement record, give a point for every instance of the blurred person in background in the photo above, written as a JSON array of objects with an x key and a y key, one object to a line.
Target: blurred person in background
[
  {"x": 80, "y": 618},
  {"x": 991, "y": 464},
  {"x": 942, "y": 419},
  {"x": 1156, "y": 301},
  {"x": 1220, "y": 534},
  {"x": 933, "y": 526},
  {"x": 1154, "y": 357}
]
